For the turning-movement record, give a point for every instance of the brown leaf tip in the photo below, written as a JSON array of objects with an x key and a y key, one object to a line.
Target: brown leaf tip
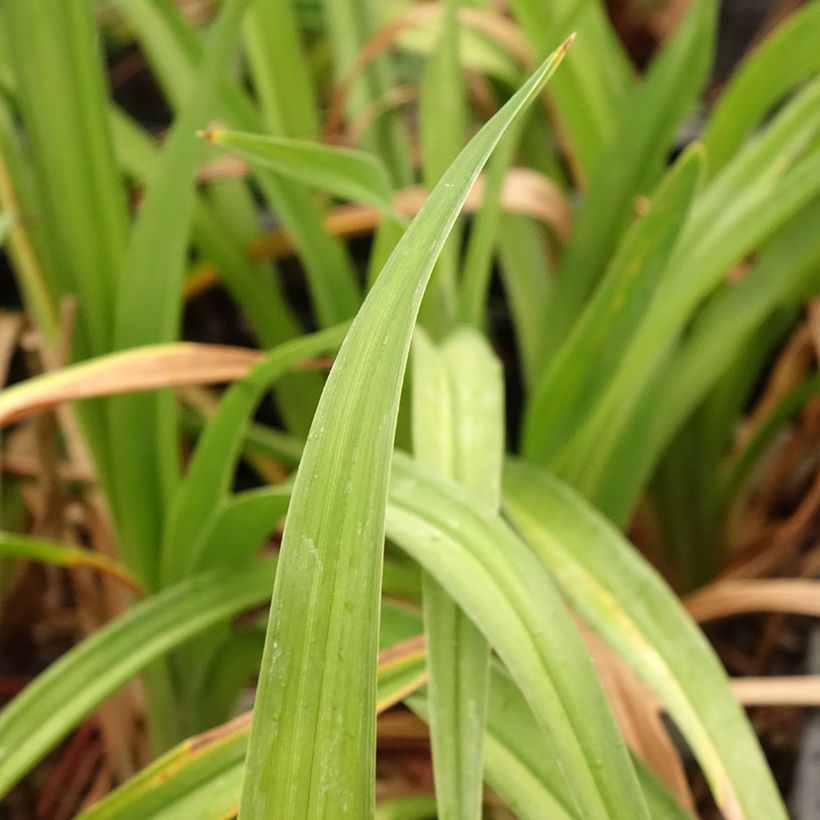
[
  {"x": 568, "y": 42},
  {"x": 210, "y": 134}
]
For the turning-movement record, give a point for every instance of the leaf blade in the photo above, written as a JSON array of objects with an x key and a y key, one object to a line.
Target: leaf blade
[
  {"x": 343, "y": 172},
  {"x": 46, "y": 710},
  {"x": 326, "y": 595},
  {"x": 631, "y": 609}
]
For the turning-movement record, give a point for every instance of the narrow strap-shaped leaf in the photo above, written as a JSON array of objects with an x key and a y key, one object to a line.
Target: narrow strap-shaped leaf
[
  {"x": 509, "y": 595},
  {"x": 258, "y": 294},
  {"x": 174, "y": 49},
  {"x": 211, "y": 469},
  {"x": 6, "y": 224},
  {"x": 522, "y": 768},
  {"x": 312, "y": 750},
  {"x": 690, "y": 279},
  {"x": 238, "y": 527},
  {"x": 349, "y": 25},
  {"x": 204, "y": 772},
  {"x": 343, "y": 172},
  {"x": 631, "y": 608},
  {"x": 442, "y": 126},
  {"x": 521, "y": 762},
  {"x": 477, "y": 389},
  {"x": 281, "y": 70},
  {"x": 17, "y": 197},
  {"x": 568, "y": 388},
  {"x": 414, "y": 807},
  {"x": 61, "y": 94},
  {"x": 458, "y": 429},
  {"x": 785, "y": 271},
  {"x": 15, "y": 545},
  {"x": 645, "y": 130},
  {"x": 478, "y": 259},
  {"x": 591, "y": 89},
  {"x": 529, "y": 282},
  {"x": 148, "y": 310},
  {"x": 757, "y": 194},
  {"x": 49, "y": 707},
  {"x": 55, "y": 60},
  {"x": 785, "y": 58},
  {"x": 149, "y": 303},
  {"x": 201, "y": 777},
  {"x": 259, "y": 439}
]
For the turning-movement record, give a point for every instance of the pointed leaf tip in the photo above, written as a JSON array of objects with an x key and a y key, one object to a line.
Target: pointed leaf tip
[
  {"x": 564, "y": 47},
  {"x": 210, "y": 134}
]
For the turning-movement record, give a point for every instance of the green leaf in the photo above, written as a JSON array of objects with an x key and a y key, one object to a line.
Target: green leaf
[
  {"x": 51, "y": 705},
  {"x": 478, "y": 259},
  {"x": 458, "y": 429},
  {"x": 727, "y": 330},
  {"x": 17, "y": 197},
  {"x": 259, "y": 295},
  {"x": 570, "y": 386},
  {"x": 415, "y": 807},
  {"x": 784, "y": 59},
  {"x": 632, "y": 609},
  {"x": 590, "y": 91},
  {"x": 6, "y": 224},
  {"x": 201, "y": 777},
  {"x": 529, "y": 283},
  {"x": 349, "y": 26},
  {"x": 61, "y": 94},
  {"x": 509, "y": 595},
  {"x": 259, "y": 440},
  {"x": 233, "y": 664},
  {"x": 521, "y": 762},
  {"x": 312, "y": 743},
  {"x": 762, "y": 190},
  {"x": 281, "y": 70},
  {"x": 14, "y": 545},
  {"x": 148, "y": 310},
  {"x": 208, "y": 480},
  {"x": 631, "y": 163},
  {"x": 174, "y": 49},
  {"x": 238, "y": 526},
  {"x": 522, "y": 768},
  {"x": 343, "y": 172},
  {"x": 442, "y": 127}
]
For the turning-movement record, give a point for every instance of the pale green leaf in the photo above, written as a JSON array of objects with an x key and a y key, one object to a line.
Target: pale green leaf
[
  {"x": 312, "y": 743},
  {"x": 49, "y": 707},
  {"x": 209, "y": 476},
  {"x": 458, "y": 429},
  {"x": 500, "y": 584},
  {"x": 149, "y": 308},
  {"x": 621, "y": 597},
  {"x": 343, "y": 172}
]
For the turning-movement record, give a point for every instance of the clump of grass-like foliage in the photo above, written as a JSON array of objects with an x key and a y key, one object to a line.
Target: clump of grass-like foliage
[{"x": 484, "y": 582}]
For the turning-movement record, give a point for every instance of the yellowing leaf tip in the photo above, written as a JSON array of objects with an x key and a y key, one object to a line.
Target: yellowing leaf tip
[
  {"x": 564, "y": 47},
  {"x": 210, "y": 134}
]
